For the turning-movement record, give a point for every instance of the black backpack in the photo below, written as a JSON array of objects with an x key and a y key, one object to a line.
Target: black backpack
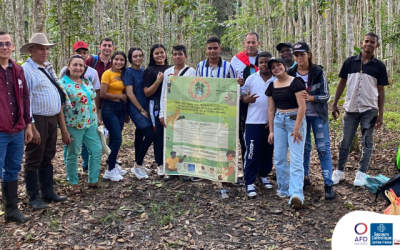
[{"x": 393, "y": 183}]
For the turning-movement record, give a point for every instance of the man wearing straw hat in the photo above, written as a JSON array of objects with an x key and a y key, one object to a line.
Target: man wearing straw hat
[{"x": 46, "y": 98}]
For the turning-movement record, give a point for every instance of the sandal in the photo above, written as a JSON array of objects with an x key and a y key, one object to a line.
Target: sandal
[
  {"x": 95, "y": 185},
  {"x": 74, "y": 189}
]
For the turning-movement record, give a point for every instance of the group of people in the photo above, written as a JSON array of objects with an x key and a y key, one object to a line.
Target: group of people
[{"x": 282, "y": 99}]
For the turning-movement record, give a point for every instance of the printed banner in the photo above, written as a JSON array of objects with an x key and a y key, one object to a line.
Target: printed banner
[{"x": 201, "y": 128}]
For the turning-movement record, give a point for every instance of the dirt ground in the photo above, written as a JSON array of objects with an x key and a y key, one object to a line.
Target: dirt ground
[{"x": 152, "y": 214}]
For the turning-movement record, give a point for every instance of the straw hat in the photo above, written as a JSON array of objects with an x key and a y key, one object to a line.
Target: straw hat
[{"x": 37, "y": 38}]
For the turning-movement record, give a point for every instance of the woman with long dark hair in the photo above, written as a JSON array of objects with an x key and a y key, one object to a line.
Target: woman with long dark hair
[
  {"x": 287, "y": 130},
  {"x": 113, "y": 111},
  {"x": 317, "y": 97},
  {"x": 81, "y": 120},
  {"x": 152, "y": 81},
  {"x": 137, "y": 109}
]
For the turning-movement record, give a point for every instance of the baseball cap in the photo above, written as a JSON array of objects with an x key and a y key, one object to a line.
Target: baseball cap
[
  {"x": 301, "y": 47},
  {"x": 281, "y": 45},
  {"x": 273, "y": 59},
  {"x": 80, "y": 45}
]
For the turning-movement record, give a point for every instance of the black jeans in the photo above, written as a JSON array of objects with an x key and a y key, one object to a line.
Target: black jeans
[
  {"x": 143, "y": 139},
  {"x": 158, "y": 143},
  {"x": 113, "y": 114}
]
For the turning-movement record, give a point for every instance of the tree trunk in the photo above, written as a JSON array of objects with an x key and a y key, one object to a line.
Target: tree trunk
[
  {"x": 378, "y": 26},
  {"x": 328, "y": 44},
  {"x": 339, "y": 14},
  {"x": 127, "y": 17},
  {"x": 314, "y": 14},
  {"x": 39, "y": 24},
  {"x": 389, "y": 52},
  {"x": 349, "y": 29},
  {"x": 19, "y": 22},
  {"x": 307, "y": 17}
]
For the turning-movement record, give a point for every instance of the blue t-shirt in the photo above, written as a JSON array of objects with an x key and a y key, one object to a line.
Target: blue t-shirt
[{"x": 134, "y": 77}]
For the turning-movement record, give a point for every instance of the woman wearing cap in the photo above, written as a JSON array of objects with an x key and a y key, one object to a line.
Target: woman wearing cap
[
  {"x": 317, "y": 97},
  {"x": 287, "y": 130},
  {"x": 81, "y": 120}
]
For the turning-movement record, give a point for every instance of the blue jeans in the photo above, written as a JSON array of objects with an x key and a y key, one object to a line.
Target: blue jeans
[
  {"x": 113, "y": 114},
  {"x": 11, "y": 151},
  {"x": 290, "y": 177},
  {"x": 323, "y": 144},
  {"x": 258, "y": 155},
  {"x": 367, "y": 122},
  {"x": 84, "y": 155}
]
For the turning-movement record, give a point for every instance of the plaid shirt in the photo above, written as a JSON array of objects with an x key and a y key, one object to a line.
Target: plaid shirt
[{"x": 44, "y": 96}]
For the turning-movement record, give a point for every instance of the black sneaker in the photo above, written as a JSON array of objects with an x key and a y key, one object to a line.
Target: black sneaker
[
  {"x": 85, "y": 170},
  {"x": 186, "y": 178},
  {"x": 329, "y": 193},
  {"x": 307, "y": 182}
]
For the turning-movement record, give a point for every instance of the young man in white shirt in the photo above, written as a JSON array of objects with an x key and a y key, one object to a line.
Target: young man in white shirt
[
  {"x": 179, "y": 57},
  {"x": 258, "y": 156}
]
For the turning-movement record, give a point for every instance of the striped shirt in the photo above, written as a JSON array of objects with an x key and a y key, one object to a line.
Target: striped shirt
[
  {"x": 44, "y": 96},
  {"x": 223, "y": 70}
]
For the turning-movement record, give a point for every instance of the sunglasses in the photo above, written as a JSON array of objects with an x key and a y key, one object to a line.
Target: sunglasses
[{"x": 6, "y": 44}]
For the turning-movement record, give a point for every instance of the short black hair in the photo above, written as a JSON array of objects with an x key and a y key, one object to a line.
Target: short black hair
[
  {"x": 179, "y": 47},
  {"x": 2, "y": 33},
  {"x": 130, "y": 52},
  {"x": 252, "y": 33},
  {"x": 107, "y": 39},
  {"x": 373, "y": 35},
  {"x": 233, "y": 153},
  {"x": 213, "y": 39},
  {"x": 263, "y": 54}
]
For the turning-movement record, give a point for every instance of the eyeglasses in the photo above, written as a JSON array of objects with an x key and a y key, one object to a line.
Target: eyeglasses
[{"x": 6, "y": 44}]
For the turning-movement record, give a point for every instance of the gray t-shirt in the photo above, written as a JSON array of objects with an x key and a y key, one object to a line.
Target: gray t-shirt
[{"x": 310, "y": 111}]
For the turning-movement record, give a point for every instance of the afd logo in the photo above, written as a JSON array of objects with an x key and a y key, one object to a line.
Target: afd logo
[
  {"x": 381, "y": 234},
  {"x": 361, "y": 229}
]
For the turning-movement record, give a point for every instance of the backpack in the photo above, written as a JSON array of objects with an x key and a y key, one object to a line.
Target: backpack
[
  {"x": 397, "y": 160},
  {"x": 373, "y": 183},
  {"x": 393, "y": 183},
  {"x": 95, "y": 61},
  {"x": 247, "y": 71}
]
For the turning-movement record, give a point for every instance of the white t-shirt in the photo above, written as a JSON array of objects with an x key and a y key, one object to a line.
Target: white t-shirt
[
  {"x": 170, "y": 71},
  {"x": 238, "y": 66},
  {"x": 257, "y": 113},
  {"x": 90, "y": 74}
]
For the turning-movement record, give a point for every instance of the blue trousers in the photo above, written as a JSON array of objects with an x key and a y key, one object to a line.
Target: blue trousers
[
  {"x": 323, "y": 144},
  {"x": 258, "y": 156},
  {"x": 113, "y": 114},
  {"x": 11, "y": 151},
  {"x": 290, "y": 176}
]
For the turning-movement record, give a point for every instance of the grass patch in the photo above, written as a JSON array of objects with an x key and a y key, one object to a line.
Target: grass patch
[{"x": 164, "y": 213}]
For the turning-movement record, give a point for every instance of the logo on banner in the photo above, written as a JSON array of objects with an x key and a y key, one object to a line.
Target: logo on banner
[
  {"x": 199, "y": 89},
  {"x": 381, "y": 234},
  {"x": 361, "y": 229}
]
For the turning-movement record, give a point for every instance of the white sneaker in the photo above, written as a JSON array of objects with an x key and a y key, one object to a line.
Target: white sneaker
[
  {"x": 147, "y": 171},
  {"x": 121, "y": 171},
  {"x": 160, "y": 170},
  {"x": 113, "y": 175},
  {"x": 359, "y": 181},
  {"x": 266, "y": 183},
  {"x": 142, "y": 171},
  {"x": 251, "y": 190},
  {"x": 137, "y": 172},
  {"x": 337, "y": 176}
]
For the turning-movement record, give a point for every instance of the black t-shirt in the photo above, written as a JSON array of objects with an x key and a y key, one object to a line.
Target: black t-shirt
[
  {"x": 150, "y": 76},
  {"x": 285, "y": 98}
]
